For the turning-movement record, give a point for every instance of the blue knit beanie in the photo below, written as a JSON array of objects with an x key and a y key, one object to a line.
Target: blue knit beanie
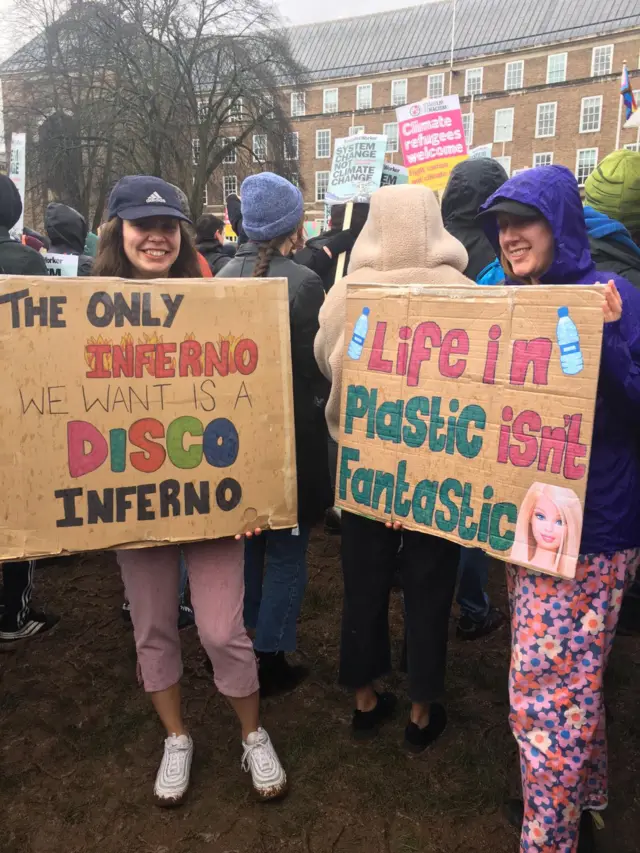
[{"x": 271, "y": 206}]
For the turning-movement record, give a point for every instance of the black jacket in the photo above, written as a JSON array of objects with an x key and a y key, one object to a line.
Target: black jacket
[
  {"x": 315, "y": 258},
  {"x": 67, "y": 230},
  {"x": 234, "y": 212},
  {"x": 16, "y": 259},
  {"x": 310, "y": 388},
  {"x": 211, "y": 250},
  {"x": 612, "y": 255},
  {"x": 470, "y": 185}
]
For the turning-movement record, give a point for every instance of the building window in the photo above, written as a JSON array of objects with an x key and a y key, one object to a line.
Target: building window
[
  {"x": 435, "y": 86},
  {"x": 195, "y": 151},
  {"x": 545, "y": 159},
  {"x": 234, "y": 110},
  {"x": 546, "y": 120},
  {"x": 323, "y": 144},
  {"x": 355, "y": 131},
  {"x": 298, "y": 104},
  {"x": 505, "y": 162},
  {"x": 231, "y": 157},
  {"x": 632, "y": 146},
  {"x": 322, "y": 182},
  {"x": 364, "y": 96},
  {"x": 330, "y": 101},
  {"x": 391, "y": 132},
  {"x": 591, "y": 114},
  {"x": 586, "y": 161},
  {"x": 514, "y": 75},
  {"x": 294, "y": 178},
  {"x": 203, "y": 109},
  {"x": 467, "y": 124},
  {"x": 473, "y": 81},
  {"x": 205, "y": 196},
  {"x": 398, "y": 93},
  {"x": 291, "y": 146},
  {"x": 503, "y": 125},
  {"x": 557, "y": 68},
  {"x": 259, "y": 147},
  {"x": 602, "y": 60},
  {"x": 229, "y": 185}
]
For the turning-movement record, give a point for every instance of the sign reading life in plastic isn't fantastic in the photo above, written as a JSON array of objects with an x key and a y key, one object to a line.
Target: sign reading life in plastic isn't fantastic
[
  {"x": 432, "y": 139},
  {"x": 356, "y": 171},
  {"x": 139, "y": 413},
  {"x": 467, "y": 413}
]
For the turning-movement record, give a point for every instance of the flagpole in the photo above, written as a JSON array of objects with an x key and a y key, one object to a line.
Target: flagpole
[
  {"x": 620, "y": 103},
  {"x": 453, "y": 44}
]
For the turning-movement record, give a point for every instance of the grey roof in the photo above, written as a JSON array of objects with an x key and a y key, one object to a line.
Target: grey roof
[{"x": 421, "y": 35}]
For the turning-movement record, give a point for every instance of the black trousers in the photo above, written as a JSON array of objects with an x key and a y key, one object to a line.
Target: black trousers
[
  {"x": 428, "y": 567},
  {"x": 17, "y": 579}
]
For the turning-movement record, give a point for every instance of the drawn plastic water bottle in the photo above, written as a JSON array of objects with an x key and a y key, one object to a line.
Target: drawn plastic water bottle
[
  {"x": 571, "y": 360},
  {"x": 359, "y": 334}
]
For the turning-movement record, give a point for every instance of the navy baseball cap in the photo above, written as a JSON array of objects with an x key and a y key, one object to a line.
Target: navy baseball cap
[{"x": 140, "y": 196}]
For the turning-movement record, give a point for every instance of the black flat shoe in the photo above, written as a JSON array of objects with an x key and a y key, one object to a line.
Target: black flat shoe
[
  {"x": 365, "y": 725},
  {"x": 416, "y": 740}
]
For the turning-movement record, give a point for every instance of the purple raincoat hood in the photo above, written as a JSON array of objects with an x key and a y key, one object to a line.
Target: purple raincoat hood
[{"x": 553, "y": 190}]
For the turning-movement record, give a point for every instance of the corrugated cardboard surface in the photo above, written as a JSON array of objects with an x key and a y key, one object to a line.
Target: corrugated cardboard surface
[
  {"x": 522, "y": 314},
  {"x": 45, "y": 387}
]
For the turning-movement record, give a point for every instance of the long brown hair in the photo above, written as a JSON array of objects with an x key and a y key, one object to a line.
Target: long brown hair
[
  {"x": 111, "y": 259},
  {"x": 267, "y": 250}
]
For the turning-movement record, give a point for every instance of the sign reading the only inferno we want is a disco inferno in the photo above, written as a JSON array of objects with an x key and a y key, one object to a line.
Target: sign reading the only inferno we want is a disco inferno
[
  {"x": 467, "y": 413},
  {"x": 143, "y": 412}
]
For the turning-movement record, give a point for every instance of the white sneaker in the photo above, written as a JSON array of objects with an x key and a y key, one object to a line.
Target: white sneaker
[
  {"x": 260, "y": 759},
  {"x": 172, "y": 780}
]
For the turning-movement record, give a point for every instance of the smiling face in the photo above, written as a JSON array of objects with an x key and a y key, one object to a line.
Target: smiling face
[
  {"x": 527, "y": 245},
  {"x": 151, "y": 245},
  {"x": 547, "y": 525}
]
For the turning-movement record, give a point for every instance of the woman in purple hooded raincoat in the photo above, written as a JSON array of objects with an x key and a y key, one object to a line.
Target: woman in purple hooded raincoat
[{"x": 562, "y": 630}]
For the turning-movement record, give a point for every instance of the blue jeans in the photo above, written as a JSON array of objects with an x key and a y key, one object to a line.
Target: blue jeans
[
  {"x": 474, "y": 574},
  {"x": 275, "y": 578}
]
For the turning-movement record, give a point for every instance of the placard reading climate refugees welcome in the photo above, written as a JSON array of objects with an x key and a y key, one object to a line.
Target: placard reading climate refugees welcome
[
  {"x": 143, "y": 412},
  {"x": 467, "y": 412}
]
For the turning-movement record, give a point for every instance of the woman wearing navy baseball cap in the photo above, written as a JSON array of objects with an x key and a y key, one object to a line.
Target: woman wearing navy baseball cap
[{"x": 145, "y": 238}]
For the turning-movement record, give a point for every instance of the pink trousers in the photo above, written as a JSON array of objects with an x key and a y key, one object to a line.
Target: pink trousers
[{"x": 216, "y": 578}]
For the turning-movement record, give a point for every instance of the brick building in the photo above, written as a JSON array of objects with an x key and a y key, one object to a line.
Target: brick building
[{"x": 539, "y": 81}]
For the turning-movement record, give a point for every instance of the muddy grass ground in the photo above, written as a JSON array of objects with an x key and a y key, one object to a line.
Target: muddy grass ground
[{"x": 79, "y": 745}]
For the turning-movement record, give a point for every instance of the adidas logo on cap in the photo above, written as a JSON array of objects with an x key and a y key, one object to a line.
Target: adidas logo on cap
[{"x": 155, "y": 198}]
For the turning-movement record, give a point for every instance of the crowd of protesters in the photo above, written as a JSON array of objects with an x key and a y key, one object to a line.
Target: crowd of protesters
[{"x": 246, "y": 593}]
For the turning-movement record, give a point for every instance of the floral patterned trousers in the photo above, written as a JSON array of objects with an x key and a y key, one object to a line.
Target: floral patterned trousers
[{"x": 561, "y": 637}]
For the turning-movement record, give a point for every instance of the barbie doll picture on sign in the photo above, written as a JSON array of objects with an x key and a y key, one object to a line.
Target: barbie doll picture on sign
[{"x": 548, "y": 529}]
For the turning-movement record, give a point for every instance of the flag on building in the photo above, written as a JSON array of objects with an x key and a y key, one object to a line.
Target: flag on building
[{"x": 631, "y": 111}]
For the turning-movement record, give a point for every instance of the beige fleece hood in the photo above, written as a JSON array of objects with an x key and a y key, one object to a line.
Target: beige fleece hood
[{"x": 403, "y": 242}]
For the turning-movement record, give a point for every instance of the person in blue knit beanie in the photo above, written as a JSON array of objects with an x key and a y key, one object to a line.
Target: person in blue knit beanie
[{"x": 275, "y": 565}]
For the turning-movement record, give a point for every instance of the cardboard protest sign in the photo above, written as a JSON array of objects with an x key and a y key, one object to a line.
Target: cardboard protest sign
[
  {"x": 481, "y": 152},
  {"x": 143, "y": 412},
  {"x": 356, "y": 170},
  {"x": 65, "y": 266},
  {"x": 432, "y": 139},
  {"x": 393, "y": 175},
  {"x": 467, "y": 413}
]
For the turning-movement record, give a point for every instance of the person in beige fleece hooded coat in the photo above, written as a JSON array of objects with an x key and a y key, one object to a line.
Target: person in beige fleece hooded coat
[{"x": 403, "y": 242}]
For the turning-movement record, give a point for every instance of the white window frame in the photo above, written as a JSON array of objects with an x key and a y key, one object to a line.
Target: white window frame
[
  {"x": 195, "y": 151},
  {"x": 401, "y": 99},
  {"x": 231, "y": 158},
  {"x": 327, "y": 148},
  {"x": 505, "y": 162},
  {"x": 583, "y": 111},
  {"x": 546, "y": 154},
  {"x": 595, "y": 163},
  {"x": 205, "y": 196},
  {"x": 294, "y": 178},
  {"x": 509, "y": 66},
  {"x": 551, "y": 56},
  {"x": 298, "y": 109},
  {"x": 225, "y": 190},
  {"x": 595, "y": 60},
  {"x": 439, "y": 85},
  {"x": 508, "y": 130},
  {"x": 326, "y": 184},
  {"x": 467, "y": 75},
  {"x": 471, "y": 119},
  {"x": 356, "y": 130},
  {"x": 368, "y": 99},
  {"x": 392, "y": 147},
  {"x": 539, "y": 108},
  {"x": 632, "y": 146},
  {"x": 235, "y": 109},
  {"x": 325, "y": 93},
  {"x": 261, "y": 156},
  {"x": 203, "y": 108},
  {"x": 297, "y": 147}
]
